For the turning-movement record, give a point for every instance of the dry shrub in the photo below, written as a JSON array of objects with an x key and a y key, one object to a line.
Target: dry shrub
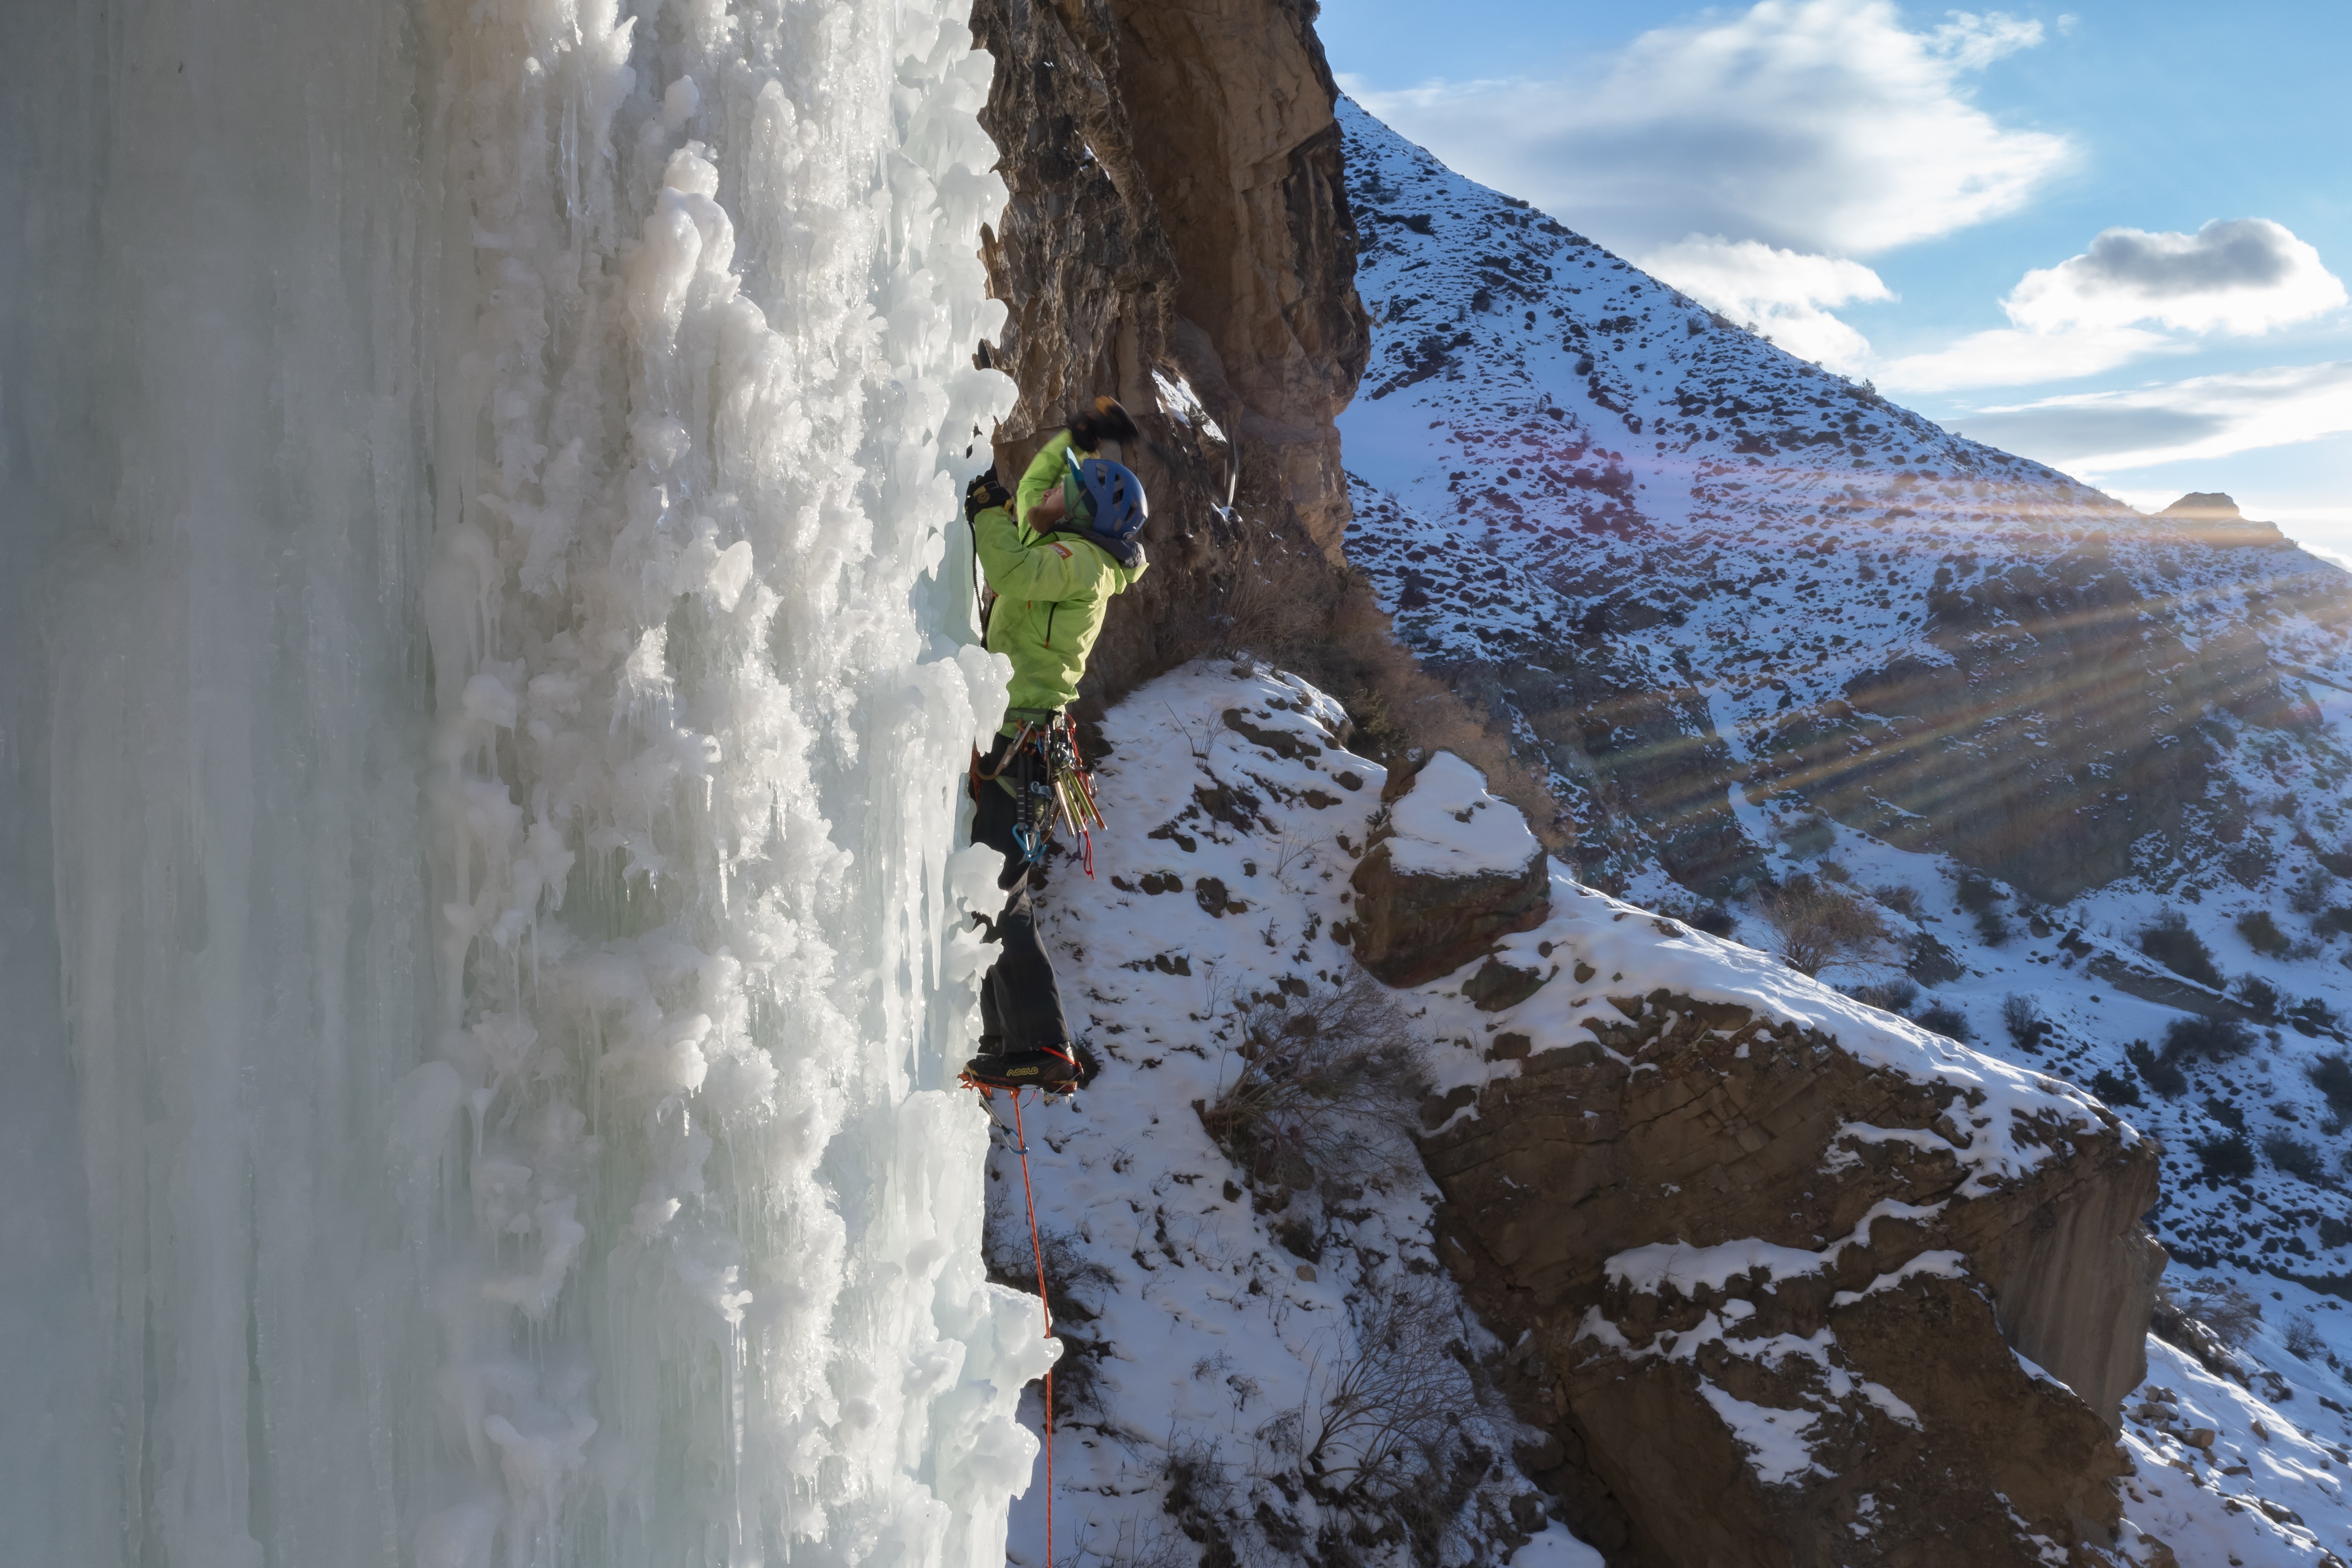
[
  {"x": 2297, "y": 1158},
  {"x": 2261, "y": 933},
  {"x": 1819, "y": 926},
  {"x": 1904, "y": 900},
  {"x": 2168, "y": 940},
  {"x": 2221, "y": 1305},
  {"x": 1197, "y": 1492},
  {"x": 2212, "y": 1039},
  {"x": 1946, "y": 1020},
  {"x": 2021, "y": 1016},
  {"x": 2332, "y": 1075},
  {"x": 1893, "y": 996},
  {"x": 1326, "y": 1085},
  {"x": 1374, "y": 1422},
  {"x": 1131, "y": 1543}
]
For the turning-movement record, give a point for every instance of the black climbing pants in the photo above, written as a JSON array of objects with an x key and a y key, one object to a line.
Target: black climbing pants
[{"x": 1020, "y": 1004}]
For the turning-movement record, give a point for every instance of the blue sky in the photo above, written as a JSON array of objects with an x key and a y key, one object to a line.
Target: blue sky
[{"x": 2112, "y": 237}]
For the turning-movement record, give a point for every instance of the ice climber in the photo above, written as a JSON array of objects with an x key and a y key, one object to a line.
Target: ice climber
[{"x": 1051, "y": 575}]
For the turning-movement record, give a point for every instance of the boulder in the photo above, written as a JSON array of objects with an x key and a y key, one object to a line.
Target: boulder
[
  {"x": 1798, "y": 1289},
  {"x": 1452, "y": 869}
]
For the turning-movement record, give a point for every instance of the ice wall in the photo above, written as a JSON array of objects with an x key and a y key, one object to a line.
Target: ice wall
[{"x": 482, "y": 700}]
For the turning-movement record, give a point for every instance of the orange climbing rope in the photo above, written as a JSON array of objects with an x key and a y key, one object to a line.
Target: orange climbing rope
[
  {"x": 1037, "y": 1253},
  {"x": 1046, "y": 1306}
]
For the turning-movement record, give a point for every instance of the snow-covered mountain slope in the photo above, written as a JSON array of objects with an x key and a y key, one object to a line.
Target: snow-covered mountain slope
[
  {"x": 1676, "y": 555},
  {"x": 1761, "y": 623},
  {"x": 1207, "y": 1316}
]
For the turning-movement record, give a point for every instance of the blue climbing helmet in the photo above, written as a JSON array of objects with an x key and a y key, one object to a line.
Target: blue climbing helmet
[{"x": 1107, "y": 496}]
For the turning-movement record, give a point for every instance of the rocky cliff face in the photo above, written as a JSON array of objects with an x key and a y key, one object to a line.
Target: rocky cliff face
[
  {"x": 1870, "y": 1297},
  {"x": 1178, "y": 235}
]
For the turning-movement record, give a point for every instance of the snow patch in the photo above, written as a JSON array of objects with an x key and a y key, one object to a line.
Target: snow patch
[{"x": 1447, "y": 825}]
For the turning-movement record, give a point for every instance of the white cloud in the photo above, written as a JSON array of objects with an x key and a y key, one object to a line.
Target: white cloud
[
  {"x": 2007, "y": 357},
  {"x": 2204, "y": 417},
  {"x": 1786, "y": 294},
  {"x": 2235, "y": 275},
  {"x": 1974, "y": 42},
  {"x": 2098, "y": 310},
  {"x": 1821, "y": 126}
]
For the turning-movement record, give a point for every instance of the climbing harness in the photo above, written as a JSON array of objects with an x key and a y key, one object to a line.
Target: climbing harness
[
  {"x": 1037, "y": 1255},
  {"x": 1051, "y": 785}
]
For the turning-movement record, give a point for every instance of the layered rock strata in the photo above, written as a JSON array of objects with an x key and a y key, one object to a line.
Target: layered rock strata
[
  {"x": 1788, "y": 1289},
  {"x": 2056, "y": 724},
  {"x": 2214, "y": 519}
]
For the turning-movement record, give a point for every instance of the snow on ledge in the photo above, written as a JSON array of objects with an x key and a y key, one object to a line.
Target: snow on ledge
[
  {"x": 1447, "y": 825},
  {"x": 1631, "y": 952},
  {"x": 1662, "y": 1266}
]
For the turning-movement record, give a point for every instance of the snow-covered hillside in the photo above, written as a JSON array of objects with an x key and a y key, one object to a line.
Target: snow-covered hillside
[
  {"x": 1207, "y": 1316},
  {"x": 1761, "y": 623},
  {"x": 1545, "y": 428},
  {"x": 1211, "y": 1318},
  {"x": 1676, "y": 554}
]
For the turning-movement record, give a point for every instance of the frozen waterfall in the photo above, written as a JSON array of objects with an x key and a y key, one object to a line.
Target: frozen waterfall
[{"x": 482, "y": 693}]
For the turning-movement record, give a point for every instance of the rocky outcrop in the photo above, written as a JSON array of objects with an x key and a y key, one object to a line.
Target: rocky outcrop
[
  {"x": 1788, "y": 1301},
  {"x": 2211, "y": 518},
  {"x": 1242, "y": 154},
  {"x": 1177, "y": 235},
  {"x": 1451, "y": 869}
]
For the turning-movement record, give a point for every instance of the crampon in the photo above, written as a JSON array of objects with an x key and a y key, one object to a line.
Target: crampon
[{"x": 1049, "y": 1071}]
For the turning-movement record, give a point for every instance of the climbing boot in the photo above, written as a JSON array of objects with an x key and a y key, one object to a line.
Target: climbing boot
[{"x": 1054, "y": 1068}]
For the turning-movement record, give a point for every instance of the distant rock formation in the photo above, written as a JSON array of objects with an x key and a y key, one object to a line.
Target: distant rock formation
[
  {"x": 1788, "y": 1301},
  {"x": 2212, "y": 518},
  {"x": 2049, "y": 725}
]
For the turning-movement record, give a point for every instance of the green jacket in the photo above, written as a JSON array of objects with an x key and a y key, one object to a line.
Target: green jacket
[{"x": 1052, "y": 591}]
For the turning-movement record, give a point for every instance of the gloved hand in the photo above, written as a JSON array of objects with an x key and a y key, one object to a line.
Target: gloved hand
[
  {"x": 984, "y": 493},
  {"x": 1106, "y": 421}
]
